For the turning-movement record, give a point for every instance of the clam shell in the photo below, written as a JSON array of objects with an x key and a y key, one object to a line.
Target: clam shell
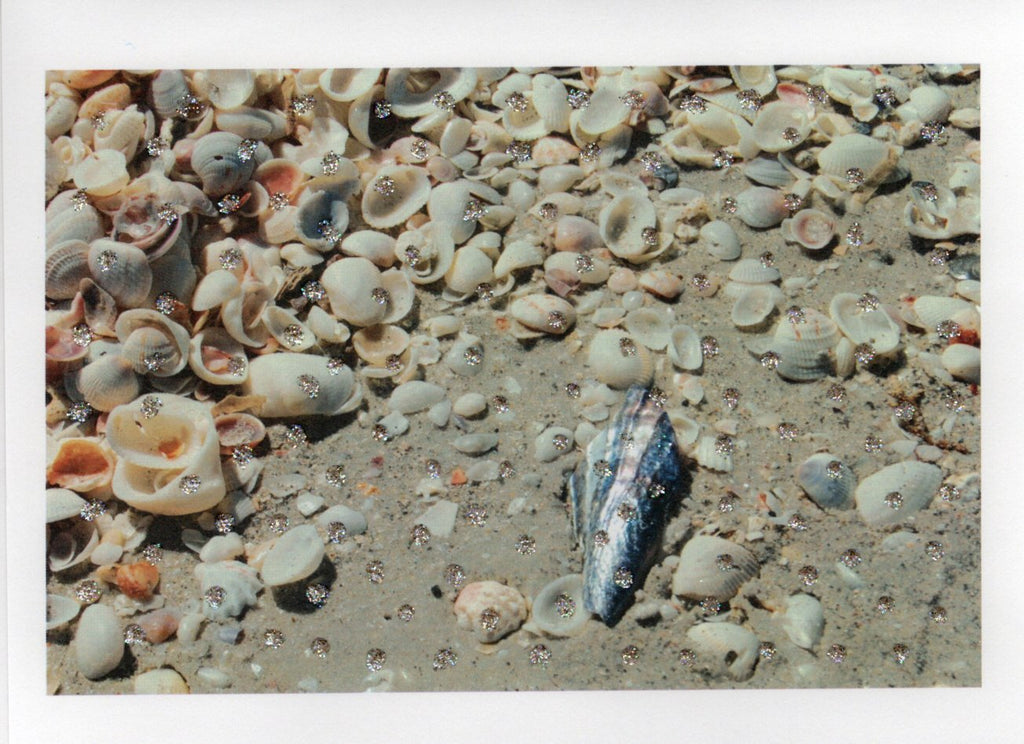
[
  {"x": 518, "y": 254},
  {"x": 810, "y": 228},
  {"x": 285, "y": 380},
  {"x": 67, "y": 264},
  {"x": 211, "y": 352},
  {"x": 99, "y": 308},
  {"x": 557, "y": 610},
  {"x": 216, "y": 161},
  {"x": 803, "y": 620},
  {"x": 930, "y": 310},
  {"x": 434, "y": 251},
  {"x": 64, "y": 223},
  {"x": 160, "y": 682},
  {"x": 619, "y": 362},
  {"x": 108, "y": 382},
  {"x": 544, "y": 449},
  {"x": 287, "y": 329},
  {"x": 537, "y": 314},
  {"x": 873, "y": 327},
  {"x": 412, "y": 91},
  {"x": 698, "y": 574},
  {"x": 621, "y": 225},
  {"x": 348, "y": 84},
  {"x": 606, "y": 110},
  {"x": 252, "y": 123},
  {"x": 81, "y": 464},
  {"x": 805, "y": 349},
  {"x": 355, "y": 522},
  {"x": 376, "y": 246},
  {"x": 60, "y": 610},
  {"x": 166, "y": 90},
  {"x": 475, "y": 444},
  {"x": 775, "y": 118},
  {"x": 720, "y": 127},
  {"x": 124, "y": 132},
  {"x": 411, "y": 191},
  {"x": 684, "y": 348},
  {"x": 875, "y": 159},
  {"x": 754, "y": 304},
  {"x": 725, "y": 648},
  {"x": 294, "y": 556},
  {"x": 926, "y": 103},
  {"x": 374, "y": 344},
  {"x": 446, "y": 206},
  {"x": 470, "y": 268},
  {"x": 661, "y": 283},
  {"x": 578, "y": 234},
  {"x": 72, "y": 546},
  {"x": 963, "y": 362},
  {"x": 350, "y": 285},
  {"x": 768, "y": 172},
  {"x": 101, "y": 173},
  {"x": 99, "y": 642},
  {"x": 462, "y": 356},
  {"x": 152, "y": 342},
  {"x": 760, "y": 206},
  {"x": 122, "y": 270},
  {"x": 649, "y": 327},
  {"x": 477, "y": 600},
  {"x": 62, "y": 503},
  {"x": 721, "y": 240},
  {"x": 237, "y": 429},
  {"x": 558, "y": 179},
  {"x": 316, "y": 209},
  {"x": 707, "y": 455},
  {"x": 825, "y": 490},
  {"x": 760, "y": 78},
  {"x": 915, "y": 482}
]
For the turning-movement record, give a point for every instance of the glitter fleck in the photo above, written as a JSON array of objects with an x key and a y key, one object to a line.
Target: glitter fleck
[
  {"x": 380, "y": 433},
  {"x": 336, "y": 532},
  {"x": 939, "y": 256},
  {"x": 724, "y": 445},
  {"x": 933, "y": 131},
  {"x": 382, "y": 108},
  {"x": 836, "y": 392},
  {"x": 627, "y": 347},
  {"x": 710, "y": 606},
  {"x": 476, "y": 515},
  {"x": 214, "y": 596},
  {"x": 153, "y": 553},
  {"x": 454, "y": 575},
  {"x": 635, "y": 99},
  {"x": 934, "y": 550},
  {"x": 749, "y": 99},
  {"x": 791, "y": 135},
  {"x": 294, "y": 335},
  {"x": 687, "y": 657},
  {"x": 855, "y": 235},
  {"x": 768, "y": 259},
  {"x": 885, "y": 96},
  {"x": 224, "y": 523},
  {"x": 237, "y": 365},
  {"x": 189, "y": 484},
  {"x": 709, "y": 346},
  {"x": 808, "y": 575},
  {"x": 651, "y": 161},
  {"x": 165, "y": 303},
  {"x": 900, "y": 653},
  {"x": 850, "y": 558},
  {"x": 156, "y": 146},
  {"x": 475, "y": 209},
  {"x": 722, "y": 158},
  {"x": 320, "y": 647},
  {"x": 796, "y": 315},
  {"x": 526, "y": 545},
  {"x": 701, "y": 282},
  {"x": 82, "y": 334},
  {"x": 864, "y": 353},
  {"x": 419, "y": 148},
  {"x": 384, "y": 185},
  {"x": 273, "y": 638},
  {"x": 135, "y": 635},
  {"x": 317, "y": 594},
  {"x": 302, "y": 104},
  {"x": 242, "y": 455},
  {"x": 489, "y": 619},
  {"x": 572, "y": 389},
  {"x": 375, "y": 572},
  {"x": 246, "y": 149},
  {"x": 769, "y": 360},
  {"x": 792, "y": 202},
  {"x": 692, "y": 104},
  {"x": 630, "y": 655},
  {"x": 867, "y": 303},
  {"x": 949, "y": 492},
  {"x": 626, "y": 512},
  {"x": 623, "y": 577},
  {"x": 445, "y": 658},
  {"x": 787, "y": 432},
  {"x": 649, "y": 235},
  {"x": 905, "y": 411},
  {"x": 725, "y": 562},
  {"x": 330, "y": 163},
  {"x": 578, "y": 98},
  {"x": 433, "y": 468},
  {"x": 602, "y": 469},
  {"x": 501, "y": 404},
  {"x": 506, "y": 470},
  {"x": 519, "y": 150},
  {"x": 277, "y": 523},
  {"x": 517, "y": 102},
  {"x": 836, "y": 653},
  {"x": 937, "y": 614},
  {"x": 106, "y": 260},
  {"x": 88, "y": 591},
  {"x": 590, "y": 152},
  {"x": 766, "y": 650},
  {"x": 79, "y": 412},
  {"x": 188, "y": 106},
  {"x": 229, "y": 204},
  {"x": 885, "y": 604},
  {"x": 335, "y": 475},
  {"x": 947, "y": 329},
  {"x": 549, "y": 211},
  {"x": 540, "y": 654},
  {"x": 727, "y": 502},
  {"x": 314, "y": 291},
  {"x": 797, "y": 523},
  {"x": 375, "y": 659},
  {"x": 279, "y": 200},
  {"x": 393, "y": 362},
  {"x": 601, "y": 539},
  {"x": 473, "y": 355},
  {"x": 855, "y": 177},
  {"x": 444, "y": 101},
  {"x": 406, "y": 613},
  {"x": 894, "y": 500},
  {"x": 834, "y": 469},
  {"x": 335, "y": 365},
  {"x": 309, "y": 385},
  {"x": 565, "y": 605}
]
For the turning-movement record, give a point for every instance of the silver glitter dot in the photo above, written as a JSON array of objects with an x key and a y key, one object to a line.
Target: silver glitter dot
[
  {"x": 864, "y": 353},
  {"x": 375, "y": 659},
  {"x": 309, "y": 385},
  {"x": 926, "y": 190},
  {"x": 894, "y": 500},
  {"x": 454, "y": 575},
  {"x": 476, "y": 515},
  {"x": 797, "y": 523},
  {"x": 873, "y": 443},
  {"x": 314, "y": 291},
  {"x": 540, "y": 654},
  {"x": 949, "y": 492},
  {"x": 277, "y": 523},
  {"x": 787, "y": 432},
  {"x": 246, "y": 149},
  {"x": 295, "y": 435},
  {"x": 710, "y": 606},
  {"x": 167, "y": 214},
  {"x": 188, "y": 106},
  {"x": 905, "y": 411},
  {"x": 590, "y": 152},
  {"x": 937, "y": 614},
  {"x": 273, "y": 638},
  {"x": 190, "y": 484},
  {"x": 701, "y": 282},
  {"x": 792, "y": 202},
  {"x": 99, "y": 121},
  {"x": 817, "y": 95},
  {"x": 836, "y": 392},
  {"x": 727, "y": 503},
  {"x": 939, "y": 256},
  {"x": 556, "y": 321},
  {"x": 433, "y": 468},
  {"x": 650, "y": 236},
  {"x": 335, "y": 365},
  {"x": 526, "y": 545},
  {"x": 626, "y": 511},
  {"x": 836, "y": 653},
  {"x": 330, "y": 163},
  {"x": 656, "y": 491},
  {"x": 601, "y": 539},
  {"x": 651, "y": 161},
  {"x": 384, "y": 185},
  {"x": 106, "y": 260},
  {"x": 380, "y": 433},
  {"x": 623, "y": 577},
  {"x": 224, "y": 523},
  {"x": 692, "y": 104},
  {"x": 165, "y": 303},
  {"x": 237, "y": 366},
  {"x": 725, "y": 562},
  {"x": 484, "y": 291},
  {"x": 796, "y": 315},
  {"x": 900, "y": 653},
  {"x": 808, "y": 575},
  {"x": 766, "y": 650},
  {"x": 501, "y": 404},
  {"x": 572, "y": 389},
  {"x": 375, "y": 572},
  {"x": 242, "y": 455},
  {"x": 850, "y": 558},
  {"x": 506, "y": 470},
  {"x": 154, "y": 361},
  {"x": 947, "y": 329},
  {"x": 406, "y": 613},
  {"x": 474, "y": 210},
  {"x": 855, "y": 235},
  {"x": 749, "y": 99},
  {"x": 731, "y": 397},
  {"x": 335, "y": 475},
  {"x": 769, "y": 360},
  {"x": 153, "y": 553},
  {"x": 382, "y": 108},
  {"x": 855, "y": 177},
  {"x": 722, "y": 158},
  {"x": 630, "y": 655},
  {"x": 885, "y": 96},
  {"x": 791, "y": 135},
  {"x": 519, "y": 150},
  {"x": 82, "y": 334},
  {"x": 635, "y": 99},
  {"x": 79, "y": 412},
  {"x": 548, "y": 211},
  {"x": 489, "y": 619},
  {"x": 393, "y": 362},
  {"x": 327, "y": 231},
  {"x": 933, "y": 131},
  {"x": 317, "y": 594},
  {"x": 627, "y": 347},
  {"x": 320, "y": 647},
  {"x": 867, "y": 303},
  {"x": 302, "y": 104},
  {"x": 279, "y": 200},
  {"x": 294, "y": 334},
  {"x": 444, "y": 101},
  {"x": 336, "y": 532},
  {"x": 517, "y": 102},
  {"x": 602, "y": 469},
  {"x": 445, "y": 658},
  {"x": 724, "y": 445},
  {"x": 473, "y": 355},
  {"x": 834, "y": 469},
  {"x": 419, "y": 148},
  {"x": 578, "y": 98},
  {"x": 687, "y": 657},
  {"x": 135, "y": 635},
  {"x": 88, "y": 591},
  {"x": 229, "y": 204},
  {"x": 214, "y": 596},
  {"x": 709, "y": 346},
  {"x": 934, "y": 550},
  {"x": 729, "y": 205},
  {"x": 156, "y": 146},
  {"x": 885, "y": 604},
  {"x": 565, "y": 605}
]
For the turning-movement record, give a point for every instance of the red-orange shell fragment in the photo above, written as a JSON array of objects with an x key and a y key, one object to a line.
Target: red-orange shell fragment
[
  {"x": 81, "y": 464},
  {"x": 137, "y": 580}
]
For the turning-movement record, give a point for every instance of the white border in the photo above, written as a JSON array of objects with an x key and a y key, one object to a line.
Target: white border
[{"x": 199, "y": 33}]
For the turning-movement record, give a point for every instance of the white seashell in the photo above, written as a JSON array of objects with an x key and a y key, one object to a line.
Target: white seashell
[
  {"x": 60, "y": 610},
  {"x": 408, "y": 192},
  {"x": 965, "y": 118},
  {"x": 411, "y": 91},
  {"x": 720, "y": 127},
  {"x": 803, "y": 620},
  {"x": 915, "y": 482},
  {"x": 873, "y": 327},
  {"x": 464, "y": 357},
  {"x": 375, "y": 344},
  {"x": 829, "y": 489},
  {"x": 354, "y": 286},
  {"x": 775, "y": 123},
  {"x": 699, "y": 573},
  {"x": 286, "y": 328},
  {"x": 754, "y": 304},
  {"x": 216, "y": 160},
  {"x": 648, "y": 326},
  {"x": 439, "y": 413},
  {"x": 288, "y": 382},
  {"x": 153, "y": 343},
  {"x": 99, "y": 642},
  {"x": 355, "y": 522},
  {"x": 236, "y": 429},
  {"x": 725, "y": 648},
  {"x": 107, "y": 382},
  {"x": 661, "y": 283},
  {"x": 214, "y": 289},
  {"x": 707, "y": 455},
  {"x": 965, "y": 177},
  {"x": 469, "y": 405},
  {"x": 760, "y": 206},
  {"x": 558, "y": 179},
  {"x": 805, "y": 349},
  {"x": 616, "y": 360},
  {"x": 687, "y": 430},
  {"x": 490, "y": 609},
  {"x": 427, "y": 253},
  {"x": 518, "y": 254},
  {"x": 106, "y": 554},
  {"x": 415, "y": 396},
  {"x": 927, "y": 103},
  {"x": 963, "y": 362},
  {"x": 64, "y": 222},
  {"x": 606, "y": 110},
  {"x": 577, "y": 234},
  {"x": 470, "y": 268},
  {"x": 222, "y": 548},
  {"x": 252, "y": 123},
  {"x": 622, "y": 222},
  {"x": 557, "y": 610},
  {"x": 159, "y": 456},
  {"x": 72, "y": 546},
  {"x": 684, "y": 348},
  {"x": 475, "y": 444},
  {"x": 760, "y": 78},
  {"x": 930, "y": 310},
  {"x": 161, "y": 681},
  {"x": 217, "y": 358},
  {"x": 721, "y": 240},
  {"x": 101, "y": 173},
  {"x": 62, "y": 503},
  {"x": 768, "y": 172},
  {"x": 124, "y": 132},
  {"x": 295, "y": 555},
  {"x": 810, "y": 228},
  {"x": 549, "y": 445},
  {"x": 240, "y": 583},
  {"x": 127, "y": 276},
  {"x": 317, "y": 209},
  {"x": 348, "y": 84},
  {"x": 376, "y": 246},
  {"x": 537, "y": 314},
  {"x": 325, "y": 327},
  {"x": 875, "y": 159}
]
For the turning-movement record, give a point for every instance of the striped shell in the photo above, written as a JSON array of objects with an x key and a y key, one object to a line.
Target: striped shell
[
  {"x": 915, "y": 482},
  {"x": 700, "y": 571},
  {"x": 830, "y": 486},
  {"x": 805, "y": 349}
]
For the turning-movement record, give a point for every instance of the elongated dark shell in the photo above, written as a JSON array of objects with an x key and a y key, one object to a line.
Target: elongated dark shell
[{"x": 627, "y": 486}]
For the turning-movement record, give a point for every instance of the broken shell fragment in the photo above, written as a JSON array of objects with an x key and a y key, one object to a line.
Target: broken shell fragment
[{"x": 490, "y": 610}]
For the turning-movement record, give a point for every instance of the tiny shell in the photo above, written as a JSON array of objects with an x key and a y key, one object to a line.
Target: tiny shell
[
  {"x": 810, "y": 228},
  {"x": 545, "y": 449},
  {"x": 725, "y": 647},
  {"x": 120, "y": 269},
  {"x": 240, "y": 583},
  {"x": 475, "y": 444},
  {"x": 99, "y": 642},
  {"x": 803, "y": 620},
  {"x": 775, "y": 118},
  {"x": 374, "y": 344},
  {"x": 414, "y": 396},
  {"x": 238, "y": 429},
  {"x": 616, "y": 360},
  {"x": 622, "y": 223},
  {"x": 753, "y": 271},
  {"x": 294, "y": 556},
  {"x": 873, "y": 327},
  {"x": 558, "y": 608},
  {"x": 827, "y": 490},
  {"x": 915, "y": 482},
  {"x": 662, "y": 283},
  {"x": 754, "y": 305},
  {"x": 684, "y": 348},
  {"x": 708, "y": 455},
  {"x": 699, "y": 575},
  {"x": 537, "y": 314},
  {"x": 160, "y": 682},
  {"x": 760, "y": 206},
  {"x": 60, "y": 610},
  {"x": 648, "y": 326},
  {"x": 62, "y": 503},
  {"x": 721, "y": 240},
  {"x": 81, "y": 464},
  {"x": 963, "y": 362},
  {"x": 355, "y": 523},
  {"x": 469, "y": 405},
  {"x": 490, "y": 609},
  {"x": 805, "y": 349},
  {"x": 578, "y": 234}
]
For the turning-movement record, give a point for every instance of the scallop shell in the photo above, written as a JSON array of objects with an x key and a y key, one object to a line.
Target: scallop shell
[
  {"x": 753, "y": 271},
  {"x": 107, "y": 382},
  {"x": 829, "y": 490},
  {"x": 926, "y": 103},
  {"x": 805, "y": 349},
  {"x": 411, "y": 190},
  {"x": 699, "y": 573},
  {"x": 915, "y": 482},
  {"x": 412, "y": 91},
  {"x": 72, "y": 546},
  {"x": 122, "y": 270},
  {"x": 101, "y": 173},
  {"x": 930, "y": 310},
  {"x": 760, "y": 206},
  {"x": 168, "y": 463},
  {"x": 619, "y": 362},
  {"x": 215, "y": 159},
  {"x": 725, "y": 648},
  {"x": 803, "y": 620},
  {"x": 810, "y": 228},
  {"x": 374, "y": 344},
  {"x": 684, "y": 348},
  {"x": 875, "y": 159},
  {"x": 708, "y": 455},
  {"x": 490, "y": 609},
  {"x": 775, "y": 121},
  {"x": 65, "y": 222},
  {"x": 167, "y": 89},
  {"x": 152, "y": 342},
  {"x": 754, "y": 305},
  {"x": 287, "y": 380},
  {"x": 67, "y": 264},
  {"x": 557, "y": 610},
  {"x": 721, "y": 240},
  {"x": 537, "y": 314},
  {"x": 963, "y": 362},
  {"x": 621, "y": 224},
  {"x": 873, "y": 327}
]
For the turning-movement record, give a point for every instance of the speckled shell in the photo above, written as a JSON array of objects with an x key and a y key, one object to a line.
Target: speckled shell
[
  {"x": 534, "y": 315},
  {"x": 621, "y": 224}
]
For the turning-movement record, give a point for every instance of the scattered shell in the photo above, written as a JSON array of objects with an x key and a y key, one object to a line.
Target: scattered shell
[
  {"x": 415, "y": 396},
  {"x": 490, "y": 609},
  {"x": 760, "y": 206},
  {"x": 391, "y": 202},
  {"x": 811, "y": 228},
  {"x": 286, "y": 381},
  {"x": 622, "y": 223},
  {"x": 805, "y": 349},
  {"x": 803, "y": 620},
  {"x": 721, "y": 240},
  {"x": 160, "y": 682},
  {"x": 754, "y": 304},
  {"x": 72, "y": 546},
  {"x": 122, "y": 270},
  {"x": 775, "y": 124},
  {"x": 828, "y": 481},
  {"x": 81, "y": 464},
  {"x": 475, "y": 444},
  {"x": 618, "y": 361},
  {"x": 915, "y": 482},
  {"x": 726, "y": 648},
  {"x": 355, "y": 523},
  {"x": 873, "y": 327},
  {"x": 703, "y": 572},
  {"x": 294, "y": 556},
  {"x": 963, "y": 362},
  {"x": 557, "y": 609},
  {"x": 62, "y": 503},
  {"x": 684, "y": 348},
  {"x": 99, "y": 642},
  {"x": 60, "y": 610},
  {"x": 648, "y": 327},
  {"x": 240, "y": 583},
  {"x": 538, "y": 314},
  {"x": 553, "y": 442}
]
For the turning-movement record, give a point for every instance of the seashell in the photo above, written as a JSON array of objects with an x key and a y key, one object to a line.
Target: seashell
[
  {"x": 295, "y": 555},
  {"x": 648, "y": 326},
  {"x": 606, "y": 110},
  {"x": 557, "y": 610},
  {"x": 490, "y": 609},
  {"x": 577, "y": 234},
  {"x": 699, "y": 573},
  {"x": 354, "y": 287},
  {"x": 926, "y": 103},
  {"x": 549, "y": 444},
  {"x": 411, "y": 91},
  {"x": 634, "y": 455},
  {"x": 60, "y": 610},
  {"x": 216, "y": 161},
  {"x": 470, "y": 405},
  {"x": 930, "y": 310},
  {"x": 301, "y": 385},
  {"x": 106, "y": 554},
  {"x": 760, "y": 206},
  {"x": 721, "y": 240},
  {"x": 348, "y": 84},
  {"x": 427, "y": 253},
  {"x": 754, "y": 304},
  {"x": 167, "y": 89},
  {"x": 237, "y": 429},
  {"x": 616, "y": 360},
  {"x": 67, "y": 264},
  {"x": 376, "y": 246},
  {"x": 252, "y": 123},
  {"x": 475, "y": 444},
  {"x": 684, "y": 348},
  {"x": 662, "y": 283},
  {"x": 386, "y": 204},
  {"x": 162, "y": 681},
  {"x": 875, "y": 159},
  {"x": 153, "y": 343},
  {"x": 466, "y": 356},
  {"x": 240, "y": 583},
  {"x": 963, "y": 362},
  {"x": 415, "y": 396},
  {"x": 64, "y": 223},
  {"x": 470, "y": 268},
  {"x": 99, "y": 642},
  {"x": 803, "y": 620},
  {"x": 562, "y": 269},
  {"x": 725, "y": 648},
  {"x": 537, "y": 314},
  {"x": 286, "y": 329},
  {"x": 72, "y": 546},
  {"x": 122, "y": 270},
  {"x": 775, "y": 123},
  {"x": 760, "y": 78},
  {"x": 374, "y": 344},
  {"x": 62, "y": 503},
  {"x": 355, "y": 522},
  {"x": 715, "y": 124},
  {"x": 810, "y": 228},
  {"x": 137, "y": 580},
  {"x": 769, "y": 172},
  {"x": 107, "y": 382},
  {"x": 873, "y": 327},
  {"x": 915, "y": 483},
  {"x": 368, "y": 129},
  {"x": 709, "y": 455},
  {"x": 215, "y": 357},
  {"x": 81, "y": 464},
  {"x": 101, "y": 173},
  {"x": 804, "y": 349},
  {"x": 518, "y": 254},
  {"x": 827, "y": 481},
  {"x": 848, "y": 85},
  {"x": 124, "y": 132},
  {"x": 962, "y": 118},
  {"x": 753, "y": 271},
  {"x": 99, "y": 308},
  {"x": 622, "y": 223}
]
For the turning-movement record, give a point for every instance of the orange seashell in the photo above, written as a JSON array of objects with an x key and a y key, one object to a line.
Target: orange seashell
[
  {"x": 137, "y": 580},
  {"x": 160, "y": 625},
  {"x": 81, "y": 464},
  {"x": 458, "y": 477}
]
